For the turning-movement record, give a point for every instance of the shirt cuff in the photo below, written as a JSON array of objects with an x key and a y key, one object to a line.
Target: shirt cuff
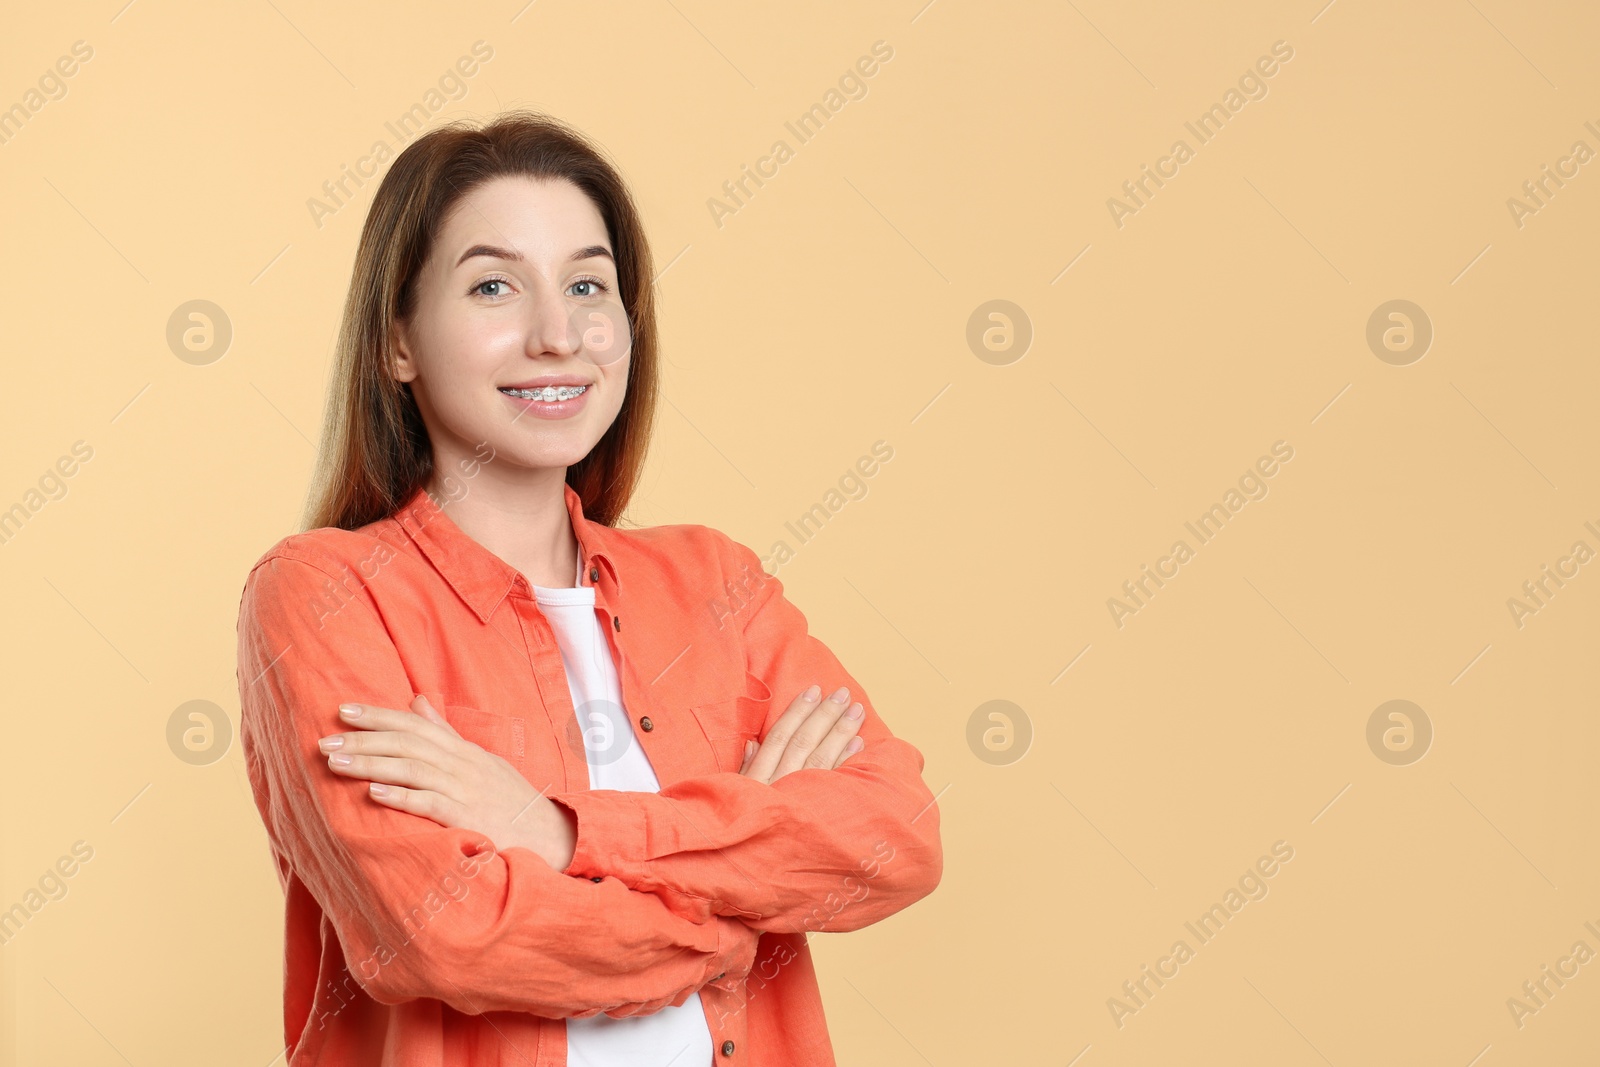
[{"x": 610, "y": 831}]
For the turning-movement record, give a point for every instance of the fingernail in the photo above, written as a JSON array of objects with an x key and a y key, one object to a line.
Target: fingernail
[
  {"x": 328, "y": 744},
  {"x": 339, "y": 760},
  {"x": 813, "y": 693},
  {"x": 841, "y": 695},
  {"x": 855, "y": 710},
  {"x": 855, "y": 745},
  {"x": 350, "y": 711},
  {"x": 378, "y": 789}
]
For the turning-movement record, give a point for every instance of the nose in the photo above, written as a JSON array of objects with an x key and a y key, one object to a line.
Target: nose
[{"x": 551, "y": 330}]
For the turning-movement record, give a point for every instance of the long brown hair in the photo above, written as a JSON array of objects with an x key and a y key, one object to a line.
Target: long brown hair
[{"x": 375, "y": 451}]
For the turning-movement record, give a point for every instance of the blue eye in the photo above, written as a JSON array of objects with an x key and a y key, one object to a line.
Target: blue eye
[
  {"x": 489, "y": 281},
  {"x": 596, "y": 282}
]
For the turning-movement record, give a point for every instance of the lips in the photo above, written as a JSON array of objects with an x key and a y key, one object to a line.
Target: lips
[{"x": 550, "y": 401}]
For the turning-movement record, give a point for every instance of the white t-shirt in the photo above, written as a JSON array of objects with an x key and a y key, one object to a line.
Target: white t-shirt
[{"x": 673, "y": 1036}]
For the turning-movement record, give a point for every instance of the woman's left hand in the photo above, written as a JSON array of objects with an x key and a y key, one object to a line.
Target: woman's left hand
[{"x": 419, "y": 764}]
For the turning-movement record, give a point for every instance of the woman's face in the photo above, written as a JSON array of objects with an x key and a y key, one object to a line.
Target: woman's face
[{"x": 520, "y": 290}]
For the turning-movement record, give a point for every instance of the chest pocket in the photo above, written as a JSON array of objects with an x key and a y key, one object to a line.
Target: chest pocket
[
  {"x": 728, "y": 722},
  {"x": 504, "y": 735}
]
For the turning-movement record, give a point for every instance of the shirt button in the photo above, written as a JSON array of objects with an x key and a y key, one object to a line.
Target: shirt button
[
  {"x": 646, "y": 725},
  {"x": 718, "y": 977},
  {"x": 596, "y": 879},
  {"x": 594, "y": 574},
  {"x": 727, "y": 1048},
  {"x": 616, "y": 622}
]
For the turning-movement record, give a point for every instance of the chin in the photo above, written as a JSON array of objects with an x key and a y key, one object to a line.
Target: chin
[{"x": 551, "y": 455}]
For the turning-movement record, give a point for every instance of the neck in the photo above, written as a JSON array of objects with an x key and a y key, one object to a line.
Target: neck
[{"x": 526, "y": 523}]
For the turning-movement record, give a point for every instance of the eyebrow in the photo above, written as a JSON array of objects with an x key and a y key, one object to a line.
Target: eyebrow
[{"x": 513, "y": 256}]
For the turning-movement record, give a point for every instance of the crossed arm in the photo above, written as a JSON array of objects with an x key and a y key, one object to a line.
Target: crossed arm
[
  {"x": 831, "y": 846},
  {"x": 675, "y": 886}
]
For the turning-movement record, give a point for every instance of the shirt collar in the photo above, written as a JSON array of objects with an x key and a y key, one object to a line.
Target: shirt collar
[{"x": 478, "y": 576}]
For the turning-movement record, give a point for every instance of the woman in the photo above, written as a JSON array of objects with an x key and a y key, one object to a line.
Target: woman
[{"x": 587, "y": 800}]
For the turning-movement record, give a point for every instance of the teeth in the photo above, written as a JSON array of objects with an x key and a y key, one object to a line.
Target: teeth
[{"x": 549, "y": 392}]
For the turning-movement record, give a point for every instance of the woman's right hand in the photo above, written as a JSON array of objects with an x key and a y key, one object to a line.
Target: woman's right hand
[{"x": 812, "y": 733}]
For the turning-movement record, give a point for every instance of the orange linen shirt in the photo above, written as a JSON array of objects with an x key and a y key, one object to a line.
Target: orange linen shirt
[{"x": 410, "y": 943}]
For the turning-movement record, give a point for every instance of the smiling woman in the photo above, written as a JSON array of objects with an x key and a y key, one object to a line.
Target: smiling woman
[{"x": 631, "y": 820}]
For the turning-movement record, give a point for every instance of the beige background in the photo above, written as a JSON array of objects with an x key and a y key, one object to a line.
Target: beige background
[{"x": 830, "y": 312}]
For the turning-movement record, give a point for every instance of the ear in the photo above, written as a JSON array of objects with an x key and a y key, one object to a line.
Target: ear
[{"x": 404, "y": 367}]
